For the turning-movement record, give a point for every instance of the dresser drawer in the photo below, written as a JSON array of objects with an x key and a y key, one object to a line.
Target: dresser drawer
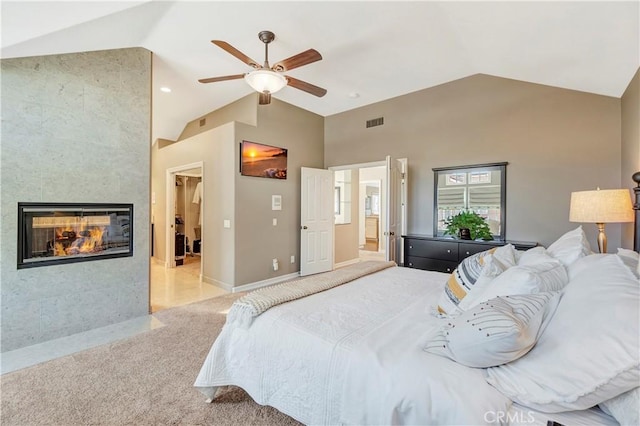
[
  {"x": 430, "y": 264},
  {"x": 441, "y": 250},
  {"x": 467, "y": 249}
]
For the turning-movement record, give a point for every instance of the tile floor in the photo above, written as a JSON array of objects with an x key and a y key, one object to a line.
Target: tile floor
[{"x": 180, "y": 285}]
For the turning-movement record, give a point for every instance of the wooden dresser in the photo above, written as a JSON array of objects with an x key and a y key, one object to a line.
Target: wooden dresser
[{"x": 444, "y": 254}]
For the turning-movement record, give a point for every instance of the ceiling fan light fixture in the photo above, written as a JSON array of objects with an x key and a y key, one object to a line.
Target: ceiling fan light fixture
[{"x": 265, "y": 80}]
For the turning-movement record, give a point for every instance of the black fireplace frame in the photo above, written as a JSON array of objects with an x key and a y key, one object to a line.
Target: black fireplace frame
[{"x": 21, "y": 264}]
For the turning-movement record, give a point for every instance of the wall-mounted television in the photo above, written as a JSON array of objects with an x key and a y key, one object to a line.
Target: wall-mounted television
[{"x": 261, "y": 160}]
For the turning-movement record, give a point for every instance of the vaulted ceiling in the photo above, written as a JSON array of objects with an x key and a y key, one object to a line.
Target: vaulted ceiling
[{"x": 371, "y": 50}]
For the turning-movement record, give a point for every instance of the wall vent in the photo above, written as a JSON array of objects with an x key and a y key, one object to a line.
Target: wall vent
[
  {"x": 375, "y": 122},
  {"x": 203, "y": 121}
]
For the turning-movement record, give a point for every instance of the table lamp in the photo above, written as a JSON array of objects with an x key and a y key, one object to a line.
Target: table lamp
[{"x": 601, "y": 206}]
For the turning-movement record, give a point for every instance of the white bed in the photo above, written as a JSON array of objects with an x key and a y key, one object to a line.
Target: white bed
[{"x": 354, "y": 355}]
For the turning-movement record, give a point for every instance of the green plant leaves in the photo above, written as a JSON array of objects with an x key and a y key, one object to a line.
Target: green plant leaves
[{"x": 476, "y": 224}]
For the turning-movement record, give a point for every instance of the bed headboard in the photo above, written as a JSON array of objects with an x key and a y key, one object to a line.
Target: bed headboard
[{"x": 636, "y": 208}]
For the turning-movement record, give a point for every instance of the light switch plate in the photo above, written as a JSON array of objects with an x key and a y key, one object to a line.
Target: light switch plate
[
  {"x": 226, "y": 223},
  {"x": 276, "y": 202}
]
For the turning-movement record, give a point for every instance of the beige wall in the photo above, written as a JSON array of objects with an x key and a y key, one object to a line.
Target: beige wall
[
  {"x": 215, "y": 148},
  {"x": 630, "y": 145},
  {"x": 75, "y": 128},
  {"x": 257, "y": 240},
  {"x": 555, "y": 140},
  {"x": 243, "y": 110},
  {"x": 243, "y": 253}
]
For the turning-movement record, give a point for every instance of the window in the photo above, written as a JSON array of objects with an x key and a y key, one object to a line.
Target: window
[{"x": 479, "y": 188}]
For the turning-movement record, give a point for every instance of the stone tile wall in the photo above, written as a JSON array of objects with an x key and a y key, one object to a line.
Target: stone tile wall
[{"x": 75, "y": 128}]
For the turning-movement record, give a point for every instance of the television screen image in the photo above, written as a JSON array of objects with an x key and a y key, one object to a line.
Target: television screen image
[{"x": 263, "y": 160}]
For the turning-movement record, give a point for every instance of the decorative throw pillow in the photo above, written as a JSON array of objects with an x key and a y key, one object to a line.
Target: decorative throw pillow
[
  {"x": 589, "y": 352},
  {"x": 472, "y": 271},
  {"x": 521, "y": 279},
  {"x": 495, "y": 332},
  {"x": 624, "y": 408},
  {"x": 570, "y": 247}
]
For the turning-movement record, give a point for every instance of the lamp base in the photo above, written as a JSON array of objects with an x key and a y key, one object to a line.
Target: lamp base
[{"x": 602, "y": 238}]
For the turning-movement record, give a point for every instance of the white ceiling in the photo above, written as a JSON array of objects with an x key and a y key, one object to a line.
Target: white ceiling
[{"x": 376, "y": 49}]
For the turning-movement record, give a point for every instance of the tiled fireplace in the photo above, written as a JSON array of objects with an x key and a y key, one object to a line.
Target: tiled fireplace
[{"x": 53, "y": 233}]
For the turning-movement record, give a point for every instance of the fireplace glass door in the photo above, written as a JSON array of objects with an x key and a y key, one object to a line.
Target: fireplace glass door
[{"x": 51, "y": 233}]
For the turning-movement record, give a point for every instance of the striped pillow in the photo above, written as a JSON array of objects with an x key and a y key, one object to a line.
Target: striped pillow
[
  {"x": 495, "y": 332},
  {"x": 461, "y": 281}
]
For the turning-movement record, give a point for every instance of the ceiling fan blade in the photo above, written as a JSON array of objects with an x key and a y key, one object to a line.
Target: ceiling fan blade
[
  {"x": 306, "y": 87},
  {"x": 235, "y": 52},
  {"x": 223, "y": 78},
  {"x": 304, "y": 58}
]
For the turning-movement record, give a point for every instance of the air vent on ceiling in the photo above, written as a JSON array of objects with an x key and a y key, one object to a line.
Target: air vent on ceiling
[
  {"x": 202, "y": 121},
  {"x": 375, "y": 122}
]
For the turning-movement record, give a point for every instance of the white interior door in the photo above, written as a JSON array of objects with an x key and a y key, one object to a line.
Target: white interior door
[
  {"x": 316, "y": 221},
  {"x": 392, "y": 228}
]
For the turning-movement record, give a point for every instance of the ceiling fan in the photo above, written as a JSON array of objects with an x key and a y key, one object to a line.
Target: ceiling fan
[{"x": 267, "y": 79}]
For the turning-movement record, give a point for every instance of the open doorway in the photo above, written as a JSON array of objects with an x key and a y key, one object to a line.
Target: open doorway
[
  {"x": 184, "y": 195},
  {"x": 372, "y": 206},
  {"x": 376, "y": 195}
]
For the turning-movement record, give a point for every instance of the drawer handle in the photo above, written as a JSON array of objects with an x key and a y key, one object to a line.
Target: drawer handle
[
  {"x": 467, "y": 252},
  {"x": 448, "y": 269},
  {"x": 410, "y": 264},
  {"x": 448, "y": 251},
  {"x": 410, "y": 246}
]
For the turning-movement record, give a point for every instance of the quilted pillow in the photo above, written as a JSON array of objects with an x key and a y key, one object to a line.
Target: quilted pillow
[
  {"x": 590, "y": 350},
  {"x": 545, "y": 275},
  {"x": 570, "y": 247},
  {"x": 472, "y": 271},
  {"x": 495, "y": 332}
]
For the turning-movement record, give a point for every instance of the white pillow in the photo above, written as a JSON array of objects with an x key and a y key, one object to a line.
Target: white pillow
[
  {"x": 583, "y": 263},
  {"x": 624, "y": 408},
  {"x": 534, "y": 255},
  {"x": 495, "y": 332},
  {"x": 570, "y": 247},
  {"x": 550, "y": 275},
  {"x": 630, "y": 258},
  {"x": 590, "y": 350},
  {"x": 471, "y": 272}
]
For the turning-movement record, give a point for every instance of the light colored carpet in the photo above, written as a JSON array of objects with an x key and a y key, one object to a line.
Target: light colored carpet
[{"x": 144, "y": 380}]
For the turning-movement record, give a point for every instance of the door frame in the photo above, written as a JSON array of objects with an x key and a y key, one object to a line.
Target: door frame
[
  {"x": 402, "y": 197},
  {"x": 171, "y": 173}
]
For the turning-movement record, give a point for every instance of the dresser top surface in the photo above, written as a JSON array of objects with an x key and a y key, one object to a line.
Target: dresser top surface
[{"x": 457, "y": 240}]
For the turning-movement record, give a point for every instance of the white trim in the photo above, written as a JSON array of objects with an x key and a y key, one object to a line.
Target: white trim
[
  {"x": 213, "y": 281},
  {"x": 359, "y": 165},
  {"x": 265, "y": 283},
  {"x": 346, "y": 263}
]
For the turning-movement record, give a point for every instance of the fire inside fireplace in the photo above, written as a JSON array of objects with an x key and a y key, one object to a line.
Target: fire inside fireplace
[{"x": 51, "y": 233}]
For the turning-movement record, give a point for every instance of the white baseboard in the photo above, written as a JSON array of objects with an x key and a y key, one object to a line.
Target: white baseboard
[
  {"x": 346, "y": 263},
  {"x": 213, "y": 281},
  {"x": 264, "y": 283}
]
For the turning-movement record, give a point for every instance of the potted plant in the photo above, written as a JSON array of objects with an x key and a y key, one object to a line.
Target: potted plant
[{"x": 468, "y": 225}]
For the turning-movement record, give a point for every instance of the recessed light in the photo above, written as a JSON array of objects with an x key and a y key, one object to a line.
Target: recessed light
[
  {"x": 165, "y": 89},
  {"x": 354, "y": 95}
]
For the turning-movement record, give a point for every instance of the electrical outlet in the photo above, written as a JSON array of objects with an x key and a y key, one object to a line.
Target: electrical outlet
[
  {"x": 275, "y": 221},
  {"x": 293, "y": 259},
  {"x": 275, "y": 264}
]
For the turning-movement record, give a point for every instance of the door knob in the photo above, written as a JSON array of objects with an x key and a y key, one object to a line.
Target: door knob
[
  {"x": 392, "y": 233},
  {"x": 304, "y": 227}
]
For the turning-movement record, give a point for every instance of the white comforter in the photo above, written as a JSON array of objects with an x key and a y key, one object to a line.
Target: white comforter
[{"x": 353, "y": 354}]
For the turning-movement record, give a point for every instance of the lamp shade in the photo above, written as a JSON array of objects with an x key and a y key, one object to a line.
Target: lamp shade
[
  {"x": 601, "y": 206},
  {"x": 265, "y": 81}
]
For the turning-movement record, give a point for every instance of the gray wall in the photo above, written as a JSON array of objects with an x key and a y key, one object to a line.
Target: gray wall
[
  {"x": 630, "y": 145},
  {"x": 555, "y": 140},
  {"x": 346, "y": 235},
  {"x": 257, "y": 240},
  {"x": 75, "y": 128}
]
